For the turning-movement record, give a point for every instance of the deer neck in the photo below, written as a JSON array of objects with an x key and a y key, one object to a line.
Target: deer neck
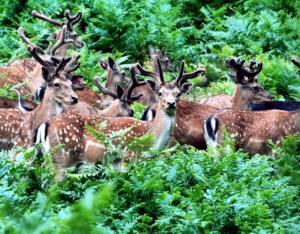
[
  {"x": 238, "y": 101},
  {"x": 162, "y": 127},
  {"x": 45, "y": 110}
]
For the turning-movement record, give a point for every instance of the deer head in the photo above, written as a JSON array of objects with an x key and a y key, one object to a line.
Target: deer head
[
  {"x": 246, "y": 79},
  {"x": 115, "y": 75},
  {"x": 122, "y": 99},
  {"x": 57, "y": 73},
  {"x": 168, "y": 92},
  {"x": 69, "y": 22},
  {"x": 165, "y": 62}
]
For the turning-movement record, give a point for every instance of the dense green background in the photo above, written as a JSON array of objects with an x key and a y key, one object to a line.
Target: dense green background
[{"x": 180, "y": 190}]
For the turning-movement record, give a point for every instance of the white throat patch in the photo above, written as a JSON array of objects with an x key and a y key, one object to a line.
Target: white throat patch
[{"x": 166, "y": 131}]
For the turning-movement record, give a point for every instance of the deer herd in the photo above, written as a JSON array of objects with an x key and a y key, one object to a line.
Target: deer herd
[{"x": 66, "y": 106}]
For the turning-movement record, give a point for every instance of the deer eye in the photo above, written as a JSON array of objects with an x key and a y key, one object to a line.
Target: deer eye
[
  {"x": 159, "y": 94},
  {"x": 256, "y": 89}
]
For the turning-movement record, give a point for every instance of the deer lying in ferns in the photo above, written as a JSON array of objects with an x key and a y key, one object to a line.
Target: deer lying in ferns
[
  {"x": 190, "y": 116},
  {"x": 160, "y": 55},
  {"x": 17, "y": 128},
  {"x": 28, "y": 71},
  {"x": 79, "y": 145}
]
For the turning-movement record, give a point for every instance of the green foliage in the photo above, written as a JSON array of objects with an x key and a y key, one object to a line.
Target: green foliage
[{"x": 180, "y": 190}]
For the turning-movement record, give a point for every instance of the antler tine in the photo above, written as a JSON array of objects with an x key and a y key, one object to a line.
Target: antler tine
[
  {"x": 191, "y": 75},
  {"x": 180, "y": 74},
  {"x": 144, "y": 72},
  {"x": 73, "y": 19},
  {"x": 43, "y": 17},
  {"x": 61, "y": 40},
  {"x": 236, "y": 65},
  {"x": 254, "y": 72},
  {"x": 104, "y": 90},
  {"x": 295, "y": 61},
  {"x": 34, "y": 50},
  {"x": 252, "y": 64},
  {"x": 160, "y": 72},
  {"x": 72, "y": 65},
  {"x": 135, "y": 83}
]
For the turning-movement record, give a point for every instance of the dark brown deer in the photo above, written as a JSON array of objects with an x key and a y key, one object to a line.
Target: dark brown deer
[
  {"x": 79, "y": 145},
  {"x": 28, "y": 71},
  {"x": 17, "y": 128}
]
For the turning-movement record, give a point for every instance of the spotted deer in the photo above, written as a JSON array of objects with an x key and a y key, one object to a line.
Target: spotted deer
[
  {"x": 79, "y": 145},
  {"x": 119, "y": 107},
  {"x": 116, "y": 77},
  {"x": 223, "y": 101},
  {"x": 28, "y": 71},
  {"x": 18, "y": 128},
  {"x": 190, "y": 116}
]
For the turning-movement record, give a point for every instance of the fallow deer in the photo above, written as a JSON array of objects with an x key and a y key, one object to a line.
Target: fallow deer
[
  {"x": 278, "y": 105},
  {"x": 79, "y": 145},
  {"x": 252, "y": 129},
  {"x": 165, "y": 63},
  {"x": 27, "y": 70},
  {"x": 190, "y": 116},
  {"x": 116, "y": 77},
  {"x": 17, "y": 128}
]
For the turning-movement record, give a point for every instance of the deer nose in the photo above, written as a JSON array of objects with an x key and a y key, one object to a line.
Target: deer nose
[
  {"x": 171, "y": 104},
  {"x": 74, "y": 99}
]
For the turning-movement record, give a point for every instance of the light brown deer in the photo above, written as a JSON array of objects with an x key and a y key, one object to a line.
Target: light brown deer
[
  {"x": 190, "y": 116},
  {"x": 79, "y": 145},
  {"x": 17, "y": 128},
  {"x": 253, "y": 129},
  {"x": 28, "y": 71},
  {"x": 223, "y": 101},
  {"x": 120, "y": 105}
]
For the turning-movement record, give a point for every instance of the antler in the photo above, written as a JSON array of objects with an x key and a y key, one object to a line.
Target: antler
[
  {"x": 191, "y": 75},
  {"x": 62, "y": 40},
  {"x": 34, "y": 50},
  {"x": 135, "y": 83},
  {"x": 45, "y": 18},
  {"x": 241, "y": 71},
  {"x": 158, "y": 77},
  {"x": 104, "y": 90},
  {"x": 295, "y": 61},
  {"x": 72, "y": 65},
  {"x": 71, "y": 20},
  {"x": 178, "y": 79}
]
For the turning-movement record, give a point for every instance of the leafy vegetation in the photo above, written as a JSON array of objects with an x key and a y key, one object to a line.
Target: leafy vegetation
[{"x": 177, "y": 190}]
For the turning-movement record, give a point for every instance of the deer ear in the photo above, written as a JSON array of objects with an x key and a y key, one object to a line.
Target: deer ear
[
  {"x": 152, "y": 85},
  {"x": 111, "y": 63},
  {"x": 46, "y": 75},
  {"x": 185, "y": 88},
  {"x": 120, "y": 92},
  {"x": 103, "y": 64},
  {"x": 77, "y": 82}
]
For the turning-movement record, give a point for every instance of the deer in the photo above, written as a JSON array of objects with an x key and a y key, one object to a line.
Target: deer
[
  {"x": 116, "y": 77},
  {"x": 27, "y": 70},
  {"x": 278, "y": 105},
  {"x": 120, "y": 104},
  {"x": 190, "y": 116},
  {"x": 165, "y": 63},
  {"x": 253, "y": 129},
  {"x": 18, "y": 128},
  {"x": 70, "y": 130}
]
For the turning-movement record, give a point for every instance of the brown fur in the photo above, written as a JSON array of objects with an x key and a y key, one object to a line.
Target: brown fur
[{"x": 254, "y": 129}]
